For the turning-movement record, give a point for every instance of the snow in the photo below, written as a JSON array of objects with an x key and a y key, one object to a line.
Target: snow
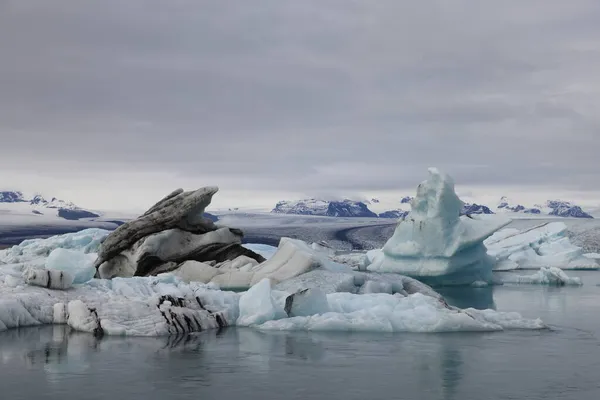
[
  {"x": 166, "y": 304},
  {"x": 434, "y": 242},
  {"x": 545, "y": 276},
  {"x": 544, "y": 245}
]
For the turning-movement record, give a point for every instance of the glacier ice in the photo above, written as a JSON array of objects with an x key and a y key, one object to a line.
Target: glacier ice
[
  {"x": 394, "y": 313},
  {"x": 78, "y": 264},
  {"x": 544, "y": 245},
  {"x": 257, "y": 305},
  {"x": 434, "y": 243},
  {"x": 48, "y": 278},
  {"x": 166, "y": 304},
  {"x": 306, "y": 302},
  {"x": 545, "y": 276},
  {"x": 86, "y": 241}
]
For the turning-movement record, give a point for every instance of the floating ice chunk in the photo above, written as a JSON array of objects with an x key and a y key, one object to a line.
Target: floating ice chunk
[
  {"x": 394, "y": 313},
  {"x": 78, "y": 264},
  {"x": 48, "y": 278},
  {"x": 545, "y": 245},
  {"x": 257, "y": 305},
  {"x": 434, "y": 243},
  {"x": 545, "y": 276}
]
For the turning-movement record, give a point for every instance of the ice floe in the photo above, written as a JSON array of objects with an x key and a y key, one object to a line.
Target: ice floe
[
  {"x": 325, "y": 298},
  {"x": 545, "y": 276},
  {"x": 545, "y": 245}
]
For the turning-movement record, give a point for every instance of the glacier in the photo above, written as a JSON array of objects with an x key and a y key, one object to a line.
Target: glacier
[
  {"x": 434, "y": 243},
  {"x": 330, "y": 296}
]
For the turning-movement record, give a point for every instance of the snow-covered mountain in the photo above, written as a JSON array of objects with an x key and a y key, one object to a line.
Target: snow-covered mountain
[
  {"x": 556, "y": 208},
  {"x": 15, "y": 203},
  {"x": 474, "y": 208},
  {"x": 344, "y": 208},
  {"x": 349, "y": 208}
]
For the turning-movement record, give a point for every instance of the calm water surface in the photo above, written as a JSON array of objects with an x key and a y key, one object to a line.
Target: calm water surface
[{"x": 561, "y": 363}]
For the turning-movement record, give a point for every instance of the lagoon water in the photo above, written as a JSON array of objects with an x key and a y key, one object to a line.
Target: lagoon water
[{"x": 560, "y": 363}]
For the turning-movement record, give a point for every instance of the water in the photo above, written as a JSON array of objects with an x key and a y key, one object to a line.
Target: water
[{"x": 561, "y": 363}]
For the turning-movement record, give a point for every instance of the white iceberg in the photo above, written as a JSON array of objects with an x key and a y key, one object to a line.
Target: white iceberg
[
  {"x": 434, "y": 243},
  {"x": 545, "y": 245},
  {"x": 545, "y": 276}
]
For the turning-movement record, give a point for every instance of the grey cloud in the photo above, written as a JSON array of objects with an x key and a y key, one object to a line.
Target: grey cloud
[{"x": 308, "y": 97}]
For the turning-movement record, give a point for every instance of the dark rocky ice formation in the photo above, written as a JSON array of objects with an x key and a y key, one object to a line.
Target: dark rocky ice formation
[{"x": 170, "y": 233}]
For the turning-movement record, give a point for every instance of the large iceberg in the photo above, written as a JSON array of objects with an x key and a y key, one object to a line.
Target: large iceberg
[
  {"x": 434, "y": 243},
  {"x": 328, "y": 297},
  {"x": 544, "y": 245}
]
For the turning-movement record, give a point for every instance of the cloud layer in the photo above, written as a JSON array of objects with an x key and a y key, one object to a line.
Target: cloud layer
[{"x": 285, "y": 98}]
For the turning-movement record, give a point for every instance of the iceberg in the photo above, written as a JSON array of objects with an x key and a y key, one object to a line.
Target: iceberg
[
  {"x": 544, "y": 245},
  {"x": 434, "y": 243},
  {"x": 328, "y": 297},
  {"x": 545, "y": 276},
  {"x": 85, "y": 241}
]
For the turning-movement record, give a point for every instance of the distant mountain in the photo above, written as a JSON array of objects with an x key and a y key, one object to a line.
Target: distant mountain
[
  {"x": 344, "y": 208},
  {"x": 565, "y": 209},
  {"x": 349, "y": 208},
  {"x": 14, "y": 202},
  {"x": 12, "y": 197},
  {"x": 506, "y": 205},
  {"x": 469, "y": 209},
  {"x": 406, "y": 200},
  {"x": 393, "y": 214},
  {"x": 556, "y": 208}
]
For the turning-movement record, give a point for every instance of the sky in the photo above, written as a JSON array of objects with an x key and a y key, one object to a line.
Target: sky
[{"x": 112, "y": 104}]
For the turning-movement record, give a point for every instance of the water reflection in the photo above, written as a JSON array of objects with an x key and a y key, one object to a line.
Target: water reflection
[{"x": 203, "y": 359}]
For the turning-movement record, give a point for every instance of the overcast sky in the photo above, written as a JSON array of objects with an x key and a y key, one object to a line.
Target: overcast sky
[{"x": 112, "y": 103}]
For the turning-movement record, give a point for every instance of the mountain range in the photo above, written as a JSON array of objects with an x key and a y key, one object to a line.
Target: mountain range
[
  {"x": 38, "y": 205},
  {"x": 351, "y": 208}
]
